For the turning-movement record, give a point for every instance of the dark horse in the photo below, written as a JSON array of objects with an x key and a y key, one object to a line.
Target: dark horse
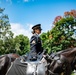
[
  {"x": 5, "y": 62},
  {"x": 63, "y": 62}
]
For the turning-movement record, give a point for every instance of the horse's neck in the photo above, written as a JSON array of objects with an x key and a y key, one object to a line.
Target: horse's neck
[
  {"x": 69, "y": 49},
  {"x": 69, "y": 53}
]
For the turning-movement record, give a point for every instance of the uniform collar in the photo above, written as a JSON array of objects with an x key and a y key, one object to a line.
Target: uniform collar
[{"x": 36, "y": 34}]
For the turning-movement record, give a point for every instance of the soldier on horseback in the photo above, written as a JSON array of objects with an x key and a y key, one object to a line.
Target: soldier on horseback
[{"x": 35, "y": 42}]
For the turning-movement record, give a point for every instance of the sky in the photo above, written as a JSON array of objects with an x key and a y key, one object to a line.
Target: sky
[{"x": 23, "y": 14}]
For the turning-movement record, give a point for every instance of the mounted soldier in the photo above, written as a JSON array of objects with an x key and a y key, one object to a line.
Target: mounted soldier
[{"x": 35, "y": 42}]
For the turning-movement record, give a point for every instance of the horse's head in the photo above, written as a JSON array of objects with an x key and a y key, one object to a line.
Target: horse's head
[
  {"x": 70, "y": 54},
  {"x": 13, "y": 56},
  {"x": 66, "y": 62},
  {"x": 4, "y": 64},
  {"x": 59, "y": 65}
]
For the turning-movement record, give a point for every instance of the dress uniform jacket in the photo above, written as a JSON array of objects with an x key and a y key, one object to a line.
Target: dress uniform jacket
[{"x": 36, "y": 44}]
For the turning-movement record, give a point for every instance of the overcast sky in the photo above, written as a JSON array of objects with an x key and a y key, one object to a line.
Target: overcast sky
[{"x": 23, "y": 14}]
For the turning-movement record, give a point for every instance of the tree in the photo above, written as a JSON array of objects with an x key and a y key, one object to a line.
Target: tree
[
  {"x": 22, "y": 44},
  {"x": 61, "y": 35},
  {"x": 4, "y": 26},
  {"x": 8, "y": 44},
  {"x": 5, "y": 33},
  {"x": 2, "y": 50},
  {"x": 46, "y": 41}
]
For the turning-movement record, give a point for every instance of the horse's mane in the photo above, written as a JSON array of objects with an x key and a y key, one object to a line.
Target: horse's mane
[{"x": 66, "y": 50}]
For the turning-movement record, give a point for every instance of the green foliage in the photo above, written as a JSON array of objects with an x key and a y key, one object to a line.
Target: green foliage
[
  {"x": 45, "y": 41},
  {"x": 61, "y": 36},
  {"x": 21, "y": 44},
  {"x": 8, "y": 44},
  {"x": 6, "y": 35},
  {"x": 1, "y": 47},
  {"x": 4, "y": 26}
]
